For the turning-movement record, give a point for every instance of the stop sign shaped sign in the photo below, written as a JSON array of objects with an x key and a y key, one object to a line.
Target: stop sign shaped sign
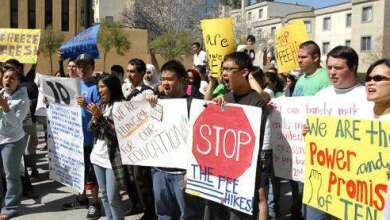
[{"x": 223, "y": 141}]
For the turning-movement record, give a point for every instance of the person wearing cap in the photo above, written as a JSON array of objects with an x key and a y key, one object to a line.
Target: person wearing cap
[{"x": 89, "y": 94}]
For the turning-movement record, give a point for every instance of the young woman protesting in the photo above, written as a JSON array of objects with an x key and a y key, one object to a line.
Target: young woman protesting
[
  {"x": 14, "y": 106},
  {"x": 105, "y": 155}
]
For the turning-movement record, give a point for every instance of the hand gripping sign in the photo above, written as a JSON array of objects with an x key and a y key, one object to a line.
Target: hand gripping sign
[{"x": 223, "y": 159}]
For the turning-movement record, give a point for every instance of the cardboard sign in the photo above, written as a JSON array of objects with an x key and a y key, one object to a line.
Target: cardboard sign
[
  {"x": 84, "y": 42},
  {"x": 218, "y": 40},
  {"x": 153, "y": 136},
  {"x": 287, "y": 41},
  {"x": 66, "y": 145},
  {"x": 223, "y": 159},
  {"x": 346, "y": 164},
  {"x": 61, "y": 90},
  {"x": 19, "y": 44},
  {"x": 287, "y": 121}
]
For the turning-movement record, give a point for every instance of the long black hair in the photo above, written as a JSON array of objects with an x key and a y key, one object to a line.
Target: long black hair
[{"x": 114, "y": 85}]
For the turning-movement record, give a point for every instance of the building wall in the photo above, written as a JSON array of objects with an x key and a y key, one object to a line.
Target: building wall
[{"x": 104, "y": 8}]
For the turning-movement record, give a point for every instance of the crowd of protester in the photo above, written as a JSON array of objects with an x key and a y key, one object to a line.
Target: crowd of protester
[{"x": 156, "y": 191}]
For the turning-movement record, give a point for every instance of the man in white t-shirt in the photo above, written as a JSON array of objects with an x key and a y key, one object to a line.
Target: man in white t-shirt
[
  {"x": 200, "y": 57},
  {"x": 342, "y": 64}
]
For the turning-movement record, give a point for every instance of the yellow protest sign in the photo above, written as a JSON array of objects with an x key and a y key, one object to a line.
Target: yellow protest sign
[
  {"x": 218, "y": 41},
  {"x": 345, "y": 166},
  {"x": 287, "y": 41},
  {"x": 20, "y": 44}
]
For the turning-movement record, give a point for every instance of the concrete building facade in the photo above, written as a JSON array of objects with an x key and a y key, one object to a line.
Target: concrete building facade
[{"x": 351, "y": 23}]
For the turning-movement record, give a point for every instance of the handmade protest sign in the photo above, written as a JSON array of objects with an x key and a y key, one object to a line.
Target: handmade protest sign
[
  {"x": 60, "y": 90},
  {"x": 19, "y": 44},
  {"x": 287, "y": 41},
  {"x": 218, "y": 40},
  {"x": 253, "y": 51},
  {"x": 153, "y": 136},
  {"x": 84, "y": 42},
  {"x": 223, "y": 159},
  {"x": 66, "y": 145},
  {"x": 346, "y": 164},
  {"x": 287, "y": 121}
]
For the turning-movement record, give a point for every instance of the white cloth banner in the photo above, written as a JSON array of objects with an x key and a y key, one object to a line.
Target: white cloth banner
[
  {"x": 60, "y": 90},
  {"x": 66, "y": 145},
  {"x": 153, "y": 136},
  {"x": 288, "y": 120},
  {"x": 224, "y": 152}
]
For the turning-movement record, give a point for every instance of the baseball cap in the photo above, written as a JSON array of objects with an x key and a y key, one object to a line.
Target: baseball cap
[{"x": 85, "y": 58}]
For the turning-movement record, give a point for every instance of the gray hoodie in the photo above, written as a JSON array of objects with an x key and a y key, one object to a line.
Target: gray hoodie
[{"x": 11, "y": 123}]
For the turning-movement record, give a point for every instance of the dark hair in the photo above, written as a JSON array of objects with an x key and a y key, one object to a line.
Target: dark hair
[
  {"x": 293, "y": 80},
  {"x": 176, "y": 67},
  {"x": 139, "y": 65},
  {"x": 312, "y": 47},
  {"x": 15, "y": 64},
  {"x": 197, "y": 44},
  {"x": 12, "y": 69},
  {"x": 242, "y": 59},
  {"x": 114, "y": 85},
  {"x": 117, "y": 69},
  {"x": 197, "y": 77},
  {"x": 385, "y": 62},
  {"x": 73, "y": 59},
  {"x": 346, "y": 53},
  {"x": 258, "y": 74},
  {"x": 251, "y": 38},
  {"x": 274, "y": 78}
]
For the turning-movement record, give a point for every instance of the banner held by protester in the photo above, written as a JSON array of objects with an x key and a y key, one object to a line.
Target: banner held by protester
[
  {"x": 152, "y": 136},
  {"x": 218, "y": 40},
  {"x": 84, "y": 42},
  {"x": 287, "y": 41},
  {"x": 223, "y": 160},
  {"x": 19, "y": 44},
  {"x": 346, "y": 164}
]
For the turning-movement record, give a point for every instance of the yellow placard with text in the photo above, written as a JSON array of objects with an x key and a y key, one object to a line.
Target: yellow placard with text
[
  {"x": 287, "y": 41},
  {"x": 218, "y": 40},
  {"x": 345, "y": 166},
  {"x": 19, "y": 44}
]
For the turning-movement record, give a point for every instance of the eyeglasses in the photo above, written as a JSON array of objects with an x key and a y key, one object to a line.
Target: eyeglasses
[
  {"x": 230, "y": 70},
  {"x": 377, "y": 78}
]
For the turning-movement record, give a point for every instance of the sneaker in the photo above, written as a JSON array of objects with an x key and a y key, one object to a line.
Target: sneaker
[
  {"x": 93, "y": 212},
  {"x": 75, "y": 204}
]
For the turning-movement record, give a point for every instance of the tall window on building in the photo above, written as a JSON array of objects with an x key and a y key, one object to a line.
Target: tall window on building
[
  {"x": 14, "y": 14},
  {"x": 273, "y": 30},
  {"x": 326, "y": 24},
  {"x": 259, "y": 33},
  {"x": 367, "y": 14},
  {"x": 65, "y": 15},
  {"x": 365, "y": 43},
  {"x": 325, "y": 48},
  {"x": 348, "y": 20},
  {"x": 48, "y": 12},
  {"x": 31, "y": 14},
  {"x": 307, "y": 26},
  {"x": 260, "y": 13},
  {"x": 348, "y": 43},
  {"x": 249, "y": 18}
]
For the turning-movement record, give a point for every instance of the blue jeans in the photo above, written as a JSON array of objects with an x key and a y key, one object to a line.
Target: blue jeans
[
  {"x": 313, "y": 213},
  {"x": 11, "y": 154},
  {"x": 273, "y": 197},
  {"x": 109, "y": 188},
  {"x": 171, "y": 201}
]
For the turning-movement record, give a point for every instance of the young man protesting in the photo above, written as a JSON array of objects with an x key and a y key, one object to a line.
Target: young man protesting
[
  {"x": 236, "y": 68},
  {"x": 200, "y": 57},
  {"x": 168, "y": 183},
  {"x": 342, "y": 65},
  {"x": 85, "y": 67}
]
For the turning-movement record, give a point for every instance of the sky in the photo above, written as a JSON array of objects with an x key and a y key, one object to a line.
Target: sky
[{"x": 315, "y": 3}]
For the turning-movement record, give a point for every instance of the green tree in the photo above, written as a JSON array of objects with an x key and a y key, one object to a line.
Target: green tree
[
  {"x": 111, "y": 35},
  {"x": 50, "y": 43},
  {"x": 172, "y": 44}
]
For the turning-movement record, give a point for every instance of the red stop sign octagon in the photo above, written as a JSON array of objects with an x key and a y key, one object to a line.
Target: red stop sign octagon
[{"x": 223, "y": 141}]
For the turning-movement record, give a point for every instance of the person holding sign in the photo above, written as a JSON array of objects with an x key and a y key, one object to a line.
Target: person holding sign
[
  {"x": 378, "y": 87},
  {"x": 200, "y": 57},
  {"x": 85, "y": 67},
  {"x": 14, "y": 106},
  {"x": 236, "y": 68},
  {"x": 105, "y": 156}
]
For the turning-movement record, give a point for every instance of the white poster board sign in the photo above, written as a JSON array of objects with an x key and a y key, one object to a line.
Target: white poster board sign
[
  {"x": 224, "y": 152},
  {"x": 153, "y": 136}
]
